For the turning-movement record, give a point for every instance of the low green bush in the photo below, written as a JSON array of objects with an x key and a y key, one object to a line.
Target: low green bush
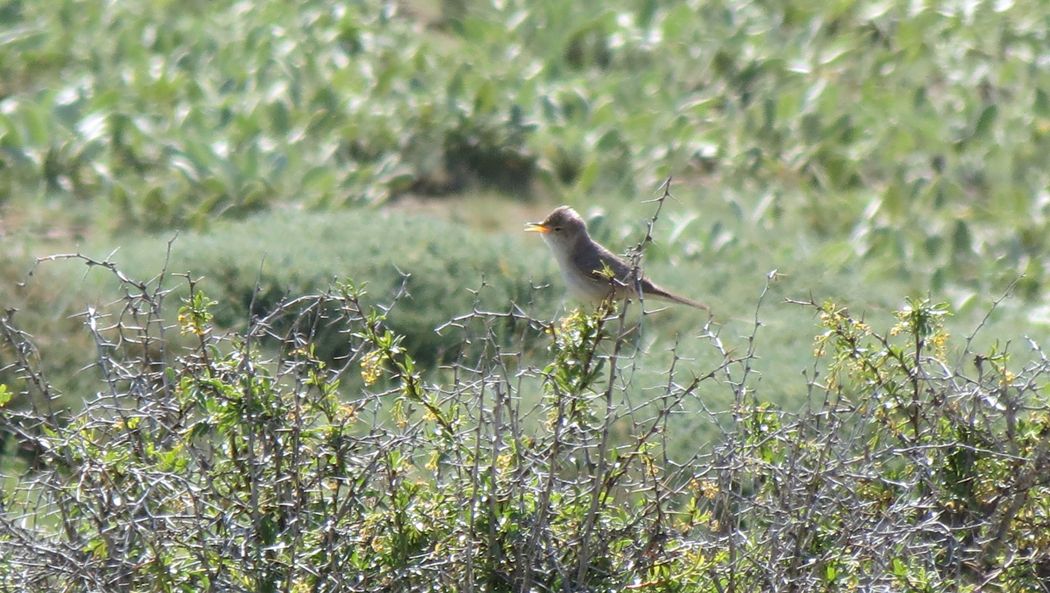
[{"x": 445, "y": 269}]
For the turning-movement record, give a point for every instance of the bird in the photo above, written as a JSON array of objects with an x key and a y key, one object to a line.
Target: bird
[{"x": 592, "y": 272}]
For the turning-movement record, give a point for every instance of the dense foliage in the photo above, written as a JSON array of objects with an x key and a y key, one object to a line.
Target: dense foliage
[
  {"x": 247, "y": 463},
  {"x": 284, "y": 433},
  {"x": 918, "y": 129}
]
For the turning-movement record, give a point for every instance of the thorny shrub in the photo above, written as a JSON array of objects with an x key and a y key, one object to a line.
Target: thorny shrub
[{"x": 246, "y": 462}]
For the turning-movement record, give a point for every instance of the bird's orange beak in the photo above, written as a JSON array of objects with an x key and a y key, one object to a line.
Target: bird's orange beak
[{"x": 537, "y": 227}]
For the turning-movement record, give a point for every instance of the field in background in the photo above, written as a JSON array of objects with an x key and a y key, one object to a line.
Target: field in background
[
  {"x": 866, "y": 151},
  {"x": 281, "y": 430}
]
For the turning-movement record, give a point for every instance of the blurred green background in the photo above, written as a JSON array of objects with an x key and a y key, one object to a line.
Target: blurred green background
[{"x": 868, "y": 151}]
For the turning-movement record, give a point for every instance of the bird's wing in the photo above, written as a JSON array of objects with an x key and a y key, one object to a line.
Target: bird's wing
[{"x": 596, "y": 259}]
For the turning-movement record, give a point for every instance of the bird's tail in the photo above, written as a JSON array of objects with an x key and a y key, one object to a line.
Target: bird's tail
[{"x": 660, "y": 293}]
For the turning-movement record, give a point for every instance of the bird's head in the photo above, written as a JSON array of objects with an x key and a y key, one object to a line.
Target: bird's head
[{"x": 561, "y": 228}]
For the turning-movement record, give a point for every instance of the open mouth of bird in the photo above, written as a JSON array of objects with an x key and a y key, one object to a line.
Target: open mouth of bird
[{"x": 537, "y": 227}]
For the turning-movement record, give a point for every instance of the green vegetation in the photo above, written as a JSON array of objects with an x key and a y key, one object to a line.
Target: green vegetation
[
  {"x": 925, "y": 124},
  {"x": 866, "y": 151},
  {"x": 860, "y": 152},
  {"x": 229, "y": 469}
]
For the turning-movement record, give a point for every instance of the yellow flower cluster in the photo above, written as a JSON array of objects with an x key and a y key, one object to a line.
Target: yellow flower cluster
[{"x": 372, "y": 366}]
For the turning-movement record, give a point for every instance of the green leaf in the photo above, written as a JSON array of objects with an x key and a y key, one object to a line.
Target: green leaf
[{"x": 985, "y": 121}]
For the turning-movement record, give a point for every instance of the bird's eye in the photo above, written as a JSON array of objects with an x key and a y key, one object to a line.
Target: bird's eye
[{"x": 557, "y": 229}]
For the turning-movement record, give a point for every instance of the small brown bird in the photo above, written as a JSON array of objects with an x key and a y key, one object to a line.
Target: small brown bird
[{"x": 587, "y": 266}]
